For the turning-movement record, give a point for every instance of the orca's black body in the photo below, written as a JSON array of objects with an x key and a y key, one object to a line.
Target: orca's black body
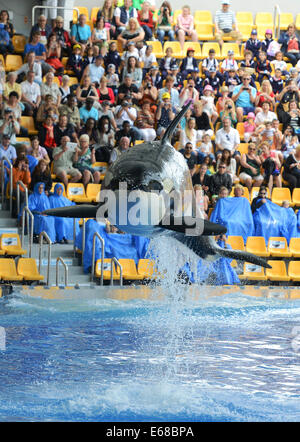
[{"x": 157, "y": 167}]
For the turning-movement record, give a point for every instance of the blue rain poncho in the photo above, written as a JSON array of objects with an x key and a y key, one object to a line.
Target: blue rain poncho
[
  {"x": 273, "y": 220},
  {"x": 234, "y": 213},
  {"x": 37, "y": 203},
  {"x": 116, "y": 245},
  {"x": 63, "y": 226}
]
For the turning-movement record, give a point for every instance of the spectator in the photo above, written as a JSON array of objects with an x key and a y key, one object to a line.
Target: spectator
[
  {"x": 65, "y": 89},
  {"x": 112, "y": 78},
  {"x": 123, "y": 14},
  {"x": 49, "y": 87},
  {"x": 13, "y": 104},
  {"x": 210, "y": 63},
  {"x": 145, "y": 19},
  {"x": 43, "y": 28},
  {"x": 206, "y": 147},
  {"x": 40, "y": 51},
  {"x": 133, "y": 32},
  {"x": 208, "y": 103},
  {"x": 88, "y": 111},
  {"x": 53, "y": 54},
  {"x": 189, "y": 63},
  {"x": 145, "y": 122},
  {"x": 46, "y": 135},
  {"x": 244, "y": 97},
  {"x": 264, "y": 114},
  {"x": 202, "y": 178},
  {"x": 225, "y": 24},
  {"x": 42, "y": 174},
  {"x": 31, "y": 94},
  {"x": 30, "y": 65},
  {"x": 190, "y": 157},
  {"x": 265, "y": 94},
  {"x": 71, "y": 110},
  {"x": 219, "y": 179},
  {"x": 127, "y": 132},
  {"x": 149, "y": 92},
  {"x": 292, "y": 118},
  {"x": 95, "y": 70},
  {"x": 5, "y": 42},
  {"x": 81, "y": 34},
  {"x": 226, "y": 158},
  {"x": 133, "y": 69},
  {"x": 238, "y": 191},
  {"x": 263, "y": 67},
  {"x": 8, "y": 151},
  {"x": 250, "y": 168},
  {"x": 165, "y": 114},
  {"x": 260, "y": 199},
  {"x": 90, "y": 129},
  {"x": 185, "y": 26},
  {"x": 86, "y": 91},
  {"x": 229, "y": 111},
  {"x": 227, "y": 138},
  {"x": 11, "y": 86},
  {"x": 202, "y": 200},
  {"x": 63, "y": 158},
  {"x": 112, "y": 56},
  {"x": 86, "y": 158},
  {"x": 289, "y": 142},
  {"x": 271, "y": 165},
  {"x": 106, "y": 134},
  {"x": 149, "y": 59},
  {"x": 107, "y": 12},
  {"x": 107, "y": 112},
  {"x": 188, "y": 93},
  {"x": 229, "y": 64},
  {"x": 37, "y": 151},
  {"x": 289, "y": 93},
  {"x": 126, "y": 112},
  {"x": 253, "y": 44},
  {"x": 291, "y": 170},
  {"x": 64, "y": 128},
  {"x": 290, "y": 44},
  {"x": 126, "y": 88},
  {"x": 100, "y": 33},
  {"x": 20, "y": 173},
  {"x": 9, "y": 126},
  {"x": 165, "y": 22},
  {"x": 189, "y": 134},
  {"x": 62, "y": 36},
  {"x": 277, "y": 83},
  {"x": 47, "y": 107},
  {"x": 38, "y": 201},
  {"x": 75, "y": 61},
  {"x": 8, "y": 26},
  {"x": 202, "y": 120},
  {"x": 122, "y": 147},
  {"x": 174, "y": 95},
  {"x": 279, "y": 63}
]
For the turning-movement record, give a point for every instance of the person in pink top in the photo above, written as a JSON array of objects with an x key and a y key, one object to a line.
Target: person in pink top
[{"x": 185, "y": 26}]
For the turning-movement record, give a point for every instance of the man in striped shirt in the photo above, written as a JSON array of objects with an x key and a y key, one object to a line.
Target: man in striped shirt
[{"x": 225, "y": 24}]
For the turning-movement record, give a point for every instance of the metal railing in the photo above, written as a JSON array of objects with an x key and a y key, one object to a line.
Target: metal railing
[
  {"x": 58, "y": 260},
  {"x": 52, "y": 7},
  {"x": 41, "y": 236},
  {"x": 21, "y": 184},
  {"x": 277, "y": 13},
  {"x": 83, "y": 240},
  {"x": 97, "y": 235},
  {"x": 4, "y": 158},
  {"x": 29, "y": 227},
  {"x": 114, "y": 260}
]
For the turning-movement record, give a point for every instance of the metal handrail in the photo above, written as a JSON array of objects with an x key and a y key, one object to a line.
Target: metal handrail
[
  {"x": 21, "y": 184},
  {"x": 58, "y": 260},
  {"x": 97, "y": 235},
  {"x": 4, "y": 158},
  {"x": 41, "y": 236},
  {"x": 30, "y": 240},
  {"x": 83, "y": 240},
  {"x": 277, "y": 13},
  {"x": 52, "y": 7},
  {"x": 112, "y": 271}
]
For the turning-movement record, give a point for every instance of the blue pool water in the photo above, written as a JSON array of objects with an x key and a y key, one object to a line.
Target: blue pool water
[{"x": 95, "y": 358}]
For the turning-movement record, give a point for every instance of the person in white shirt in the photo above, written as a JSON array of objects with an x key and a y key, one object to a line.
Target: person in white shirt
[
  {"x": 227, "y": 138},
  {"x": 265, "y": 114},
  {"x": 31, "y": 94},
  {"x": 31, "y": 65},
  {"x": 129, "y": 12},
  {"x": 51, "y": 88},
  {"x": 126, "y": 112}
]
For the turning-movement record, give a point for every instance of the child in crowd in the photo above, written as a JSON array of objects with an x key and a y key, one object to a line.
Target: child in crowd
[
  {"x": 210, "y": 63},
  {"x": 100, "y": 34},
  {"x": 279, "y": 63},
  {"x": 148, "y": 59},
  {"x": 289, "y": 142},
  {"x": 232, "y": 81},
  {"x": 253, "y": 44},
  {"x": 189, "y": 63},
  {"x": 208, "y": 103},
  {"x": 220, "y": 105},
  {"x": 249, "y": 127},
  {"x": 177, "y": 77},
  {"x": 113, "y": 80},
  {"x": 75, "y": 61},
  {"x": 166, "y": 63},
  {"x": 229, "y": 64},
  {"x": 155, "y": 77},
  {"x": 277, "y": 82},
  {"x": 206, "y": 147},
  {"x": 131, "y": 51},
  {"x": 112, "y": 57},
  {"x": 214, "y": 81},
  {"x": 263, "y": 67},
  {"x": 267, "y": 133},
  {"x": 249, "y": 64},
  {"x": 270, "y": 46}
]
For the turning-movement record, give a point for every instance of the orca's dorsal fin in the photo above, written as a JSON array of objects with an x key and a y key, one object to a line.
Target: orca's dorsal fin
[{"x": 171, "y": 128}]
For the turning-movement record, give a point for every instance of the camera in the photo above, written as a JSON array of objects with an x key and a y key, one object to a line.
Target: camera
[
  {"x": 165, "y": 10},
  {"x": 149, "y": 85},
  {"x": 125, "y": 104},
  {"x": 229, "y": 106}
]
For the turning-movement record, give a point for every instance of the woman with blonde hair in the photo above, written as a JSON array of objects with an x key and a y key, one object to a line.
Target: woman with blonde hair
[
  {"x": 271, "y": 165},
  {"x": 133, "y": 32},
  {"x": 86, "y": 157},
  {"x": 189, "y": 134},
  {"x": 265, "y": 94},
  {"x": 229, "y": 111}
]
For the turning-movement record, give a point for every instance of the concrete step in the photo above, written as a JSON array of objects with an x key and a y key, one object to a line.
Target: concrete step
[
  {"x": 7, "y": 224},
  {"x": 75, "y": 275}
]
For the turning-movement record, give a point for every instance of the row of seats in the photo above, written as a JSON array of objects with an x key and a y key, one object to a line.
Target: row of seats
[
  {"x": 145, "y": 269},
  {"x": 10, "y": 245},
  {"x": 26, "y": 270},
  {"x": 279, "y": 272},
  {"x": 279, "y": 194},
  {"x": 277, "y": 246}
]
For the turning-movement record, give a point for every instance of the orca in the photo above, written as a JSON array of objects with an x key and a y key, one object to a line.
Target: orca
[{"x": 155, "y": 173}]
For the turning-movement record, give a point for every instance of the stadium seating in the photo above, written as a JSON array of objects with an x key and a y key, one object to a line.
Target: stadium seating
[
  {"x": 147, "y": 269},
  {"x": 19, "y": 42},
  {"x": 277, "y": 272},
  {"x": 8, "y": 271},
  {"x": 294, "y": 271},
  {"x": 76, "y": 193},
  {"x": 257, "y": 246},
  {"x": 13, "y": 62},
  {"x": 27, "y": 268},
  {"x": 106, "y": 270},
  {"x": 175, "y": 45},
  {"x": 205, "y": 31},
  {"x": 203, "y": 18},
  {"x": 157, "y": 48},
  {"x": 11, "y": 244},
  {"x": 280, "y": 194},
  {"x": 211, "y": 45},
  {"x": 194, "y": 45},
  {"x": 277, "y": 246},
  {"x": 296, "y": 197},
  {"x": 129, "y": 270},
  {"x": 244, "y": 18},
  {"x": 28, "y": 123},
  {"x": 295, "y": 247},
  {"x": 93, "y": 192},
  {"x": 253, "y": 272},
  {"x": 236, "y": 242}
]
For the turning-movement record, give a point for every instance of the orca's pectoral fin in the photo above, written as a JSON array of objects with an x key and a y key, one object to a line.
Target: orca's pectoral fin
[
  {"x": 191, "y": 226},
  {"x": 241, "y": 255},
  {"x": 80, "y": 211}
]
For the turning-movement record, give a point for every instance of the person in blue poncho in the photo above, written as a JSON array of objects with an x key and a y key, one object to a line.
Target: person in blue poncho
[
  {"x": 37, "y": 203},
  {"x": 63, "y": 226}
]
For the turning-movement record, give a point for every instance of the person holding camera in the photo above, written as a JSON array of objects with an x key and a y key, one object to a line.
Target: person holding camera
[
  {"x": 145, "y": 122},
  {"x": 63, "y": 158},
  {"x": 289, "y": 93},
  {"x": 229, "y": 111},
  {"x": 188, "y": 93},
  {"x": 126, "y": 112},
  {"x": 165, "y": 23},
  {"x": 150, "y": 92},
  {"x": 244, "y": 97},
  {"x": 9, "y": 126},
  {"x": 165, "y": 114}
]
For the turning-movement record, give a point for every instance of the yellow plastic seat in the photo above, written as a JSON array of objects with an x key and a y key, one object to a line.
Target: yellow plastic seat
[
  {"x": 19, "y": 42},
  {"x": 147, "y": 269},
  {"x": 28, "y": 123},
  {"x": 297, "y": 21},
  {"x": 203, "y": 18},
  {"x": 231, "y": 47},
  {"x": 175, "y": 45},
  {"x": 245, "y": 30},
  {"x": 277, "y": 246},
  {"x": 157, "y": 48},
  {"x": 106, "y": 269},
  {"x": 264, "y": 18},
  {"x": 27, "y": 268},
  {"x": 94, "y": 13},
  {"x": 192, "y": 44},
  {"x": 205, "y": 31},
  {"x": 280, "y": 194},
  {"x": 294, "y": 270},
  {"x": 257, "y": 246},
  {"x": 243, "y": 148},
  {"x": 100, "y": 167},
  {"x": 175, "y": 15},
  {"x": 129, "y": 270},
  {"x": 241, "y": 130},
  {"x": 23, "y": 140},
  {"x": 236, "y": 242},
  {"x": 244, "y": 18},
  {"x": 68, "y": 71},
  {"x": 211, "y": 45},
  {"x": 286, "y": 18},
  {"x": 296, "y": 197},
  {"x": 8, "y": 271},
  {"x": 13, "y": 62},
  {"x": 82, "y": 10},
  {"x": 253, "y": 272},
  {"x": 11, "y": 244},
  {"x": 277, "y": 272},
  {"x": 295, "y": 247},
  {"x": 93, "y": 192},
  {"x": 76, "y": 193}
]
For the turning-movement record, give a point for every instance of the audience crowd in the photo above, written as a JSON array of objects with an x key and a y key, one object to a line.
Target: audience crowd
[{"x": 99, "y": 89}]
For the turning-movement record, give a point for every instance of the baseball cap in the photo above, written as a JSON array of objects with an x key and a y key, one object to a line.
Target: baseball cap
[
  {"x": 254, "y": 32},
  {"x": 76, "y": 47},
  {"x": 251, "y": 115},
  {"x": 166, "y": 95},
  {"x": 269, "y": 31},
  {"x": 190, "y": 49},
  {"x": 230, "y": 52}
]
